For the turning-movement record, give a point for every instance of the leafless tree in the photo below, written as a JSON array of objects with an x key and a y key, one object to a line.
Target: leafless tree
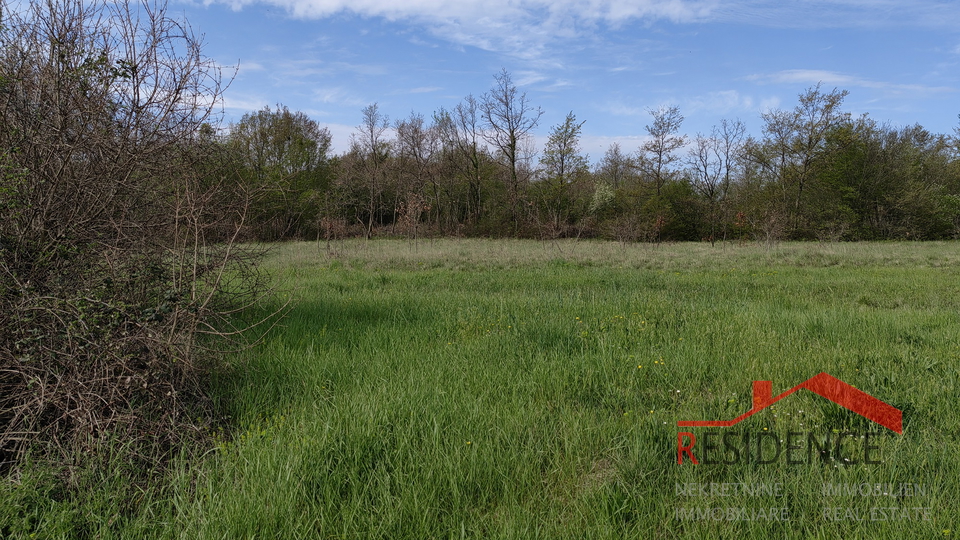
[
  {"x": 370, "y": 151},
  {"x": 461, "y": 136},
  {"x": 712, "y": 161},
  {"x": 509, "y": 117},
  {"x": 416, "y": 147}
]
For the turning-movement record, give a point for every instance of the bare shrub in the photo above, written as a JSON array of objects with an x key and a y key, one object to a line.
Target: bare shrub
[
  {"x": 119, "y": 221},
  {"x": 769, "y": 228}
]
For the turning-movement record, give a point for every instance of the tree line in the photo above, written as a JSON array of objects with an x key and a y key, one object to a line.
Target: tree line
[{"x": 814, "y": 173}]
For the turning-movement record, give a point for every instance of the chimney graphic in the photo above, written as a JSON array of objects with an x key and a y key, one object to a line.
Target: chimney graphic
[
  {"x": 762, "y": 394},
  {"x": 823, "y": 385}
]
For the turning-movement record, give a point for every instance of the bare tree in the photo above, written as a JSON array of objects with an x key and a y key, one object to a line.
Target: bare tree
[
  {"x": 416, "y": 146},
  {"x": 461, "y": 135},
  {"x": 371, "y": 150},
  {"x": 712, "y": 160},
  {"x": 509, "y": 117}
]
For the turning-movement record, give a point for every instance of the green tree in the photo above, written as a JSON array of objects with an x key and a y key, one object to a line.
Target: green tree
[
  {"x": 562, "y": 161},
  {"x": 286, "y": 156},
  {"x": 657, "y": 154},
  {"x": 615, "y": 168},
  {"x": 562, "y": 165},
  {"x": 793, "y": 142}
]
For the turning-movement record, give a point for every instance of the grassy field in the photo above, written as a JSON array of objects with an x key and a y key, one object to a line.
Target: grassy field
[{"x": 518, "y": 389}]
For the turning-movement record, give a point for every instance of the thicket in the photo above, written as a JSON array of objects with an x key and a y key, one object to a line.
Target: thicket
[
  {"x": 815, "y": 173},
  {"x": 119, "y": 220}
]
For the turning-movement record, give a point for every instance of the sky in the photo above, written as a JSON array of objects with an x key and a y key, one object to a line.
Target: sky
[{"x": 608, "y": 61}]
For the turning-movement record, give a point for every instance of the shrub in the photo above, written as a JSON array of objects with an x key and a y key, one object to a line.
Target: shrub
[{"x": 119, "y": 215}]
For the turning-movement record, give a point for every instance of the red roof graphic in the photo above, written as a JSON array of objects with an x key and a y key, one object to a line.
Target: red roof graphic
[{"x": 824, "y": 385}]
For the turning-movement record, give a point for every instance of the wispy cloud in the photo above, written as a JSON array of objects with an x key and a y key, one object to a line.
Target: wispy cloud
[
  {"x": 832, "y": 78},
  {"x": 806, "y": 76},
  {"x": 418, "y": 41},
  {"x": 526, "y": 78},
  {"x": 488, "y": 11},
  {"x": 479, "y": 22},
  {"x": 618, "y": 108},
  {"x": 299, "y": 68},
  {"x": 247, "y": 67},
  {"x": 521, "y": 28},
  {"x": 424, "y": 90},
  {"x": 721, "y": 103},
  {"x": 605, "y": 59},
  {"x": 243, "y": 104},
  {"x": 557, "y": 85},
  {"x": 839, "y": 13},
  {"x": 769, "y": 103},
  {"x": 338, "y": 96}
]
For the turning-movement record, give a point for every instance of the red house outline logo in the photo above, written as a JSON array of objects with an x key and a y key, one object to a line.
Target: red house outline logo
[{"x": 826, "y": 386}]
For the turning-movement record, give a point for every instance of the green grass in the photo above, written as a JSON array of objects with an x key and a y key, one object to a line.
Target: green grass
[{"x": 493, "y": 389}]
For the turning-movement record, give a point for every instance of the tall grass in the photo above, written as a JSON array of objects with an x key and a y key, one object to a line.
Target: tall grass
[{"x": 515, "y": 389}]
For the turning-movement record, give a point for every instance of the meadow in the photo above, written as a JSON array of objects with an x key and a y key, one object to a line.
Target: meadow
[{"x": 520, "y": 389}]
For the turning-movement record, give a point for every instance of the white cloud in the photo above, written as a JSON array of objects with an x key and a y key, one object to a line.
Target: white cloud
[
  {"x": 526, "y": 78},
  {"x": 806, "y": 76},
  {"x": 840, "y": 13},
  {"x": 243, "y": 104},
  {"x": 340, "y": 134},
  {"x": 521, "y": 28},
  {"x": 418, "y": 41},
  {"x": 557, "y": 85},
  {"x": 485, "y": 18},
  {"x": 492, "y": 11},
  {"x": 527, "y": 29},
  {"x": 844, "y": 81},
  {"x": 246, "y": 67},
  {"x": 338, "y": 96},
  {"x": 720, "y": 103},
  {"x": 770, "y": 103},
  {"x": 424, "y": 89},
  {"x": 618, "y": 108}
]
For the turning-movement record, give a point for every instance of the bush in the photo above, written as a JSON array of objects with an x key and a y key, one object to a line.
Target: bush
[{"x": 119, "y": 213}]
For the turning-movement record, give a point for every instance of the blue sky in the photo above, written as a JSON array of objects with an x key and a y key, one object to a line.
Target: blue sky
[{"x": 608, "y": 61}]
